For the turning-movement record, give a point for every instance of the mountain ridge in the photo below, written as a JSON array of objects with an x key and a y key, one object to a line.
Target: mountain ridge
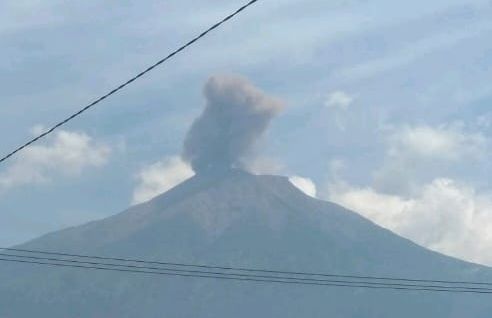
[{"x": 237, "y": 219}]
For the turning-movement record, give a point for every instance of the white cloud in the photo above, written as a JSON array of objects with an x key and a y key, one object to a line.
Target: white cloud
[
  {"x": 339, "y": 100},
  {"x": 306, "y": 185},
  {"x": 160, "y": 177},
  {"x": 67, "y": 154},
  {"x": 338, "y": 103},
  {"x": 417, "y": 154},
  {"x": 417, "y": 192},
  {"x": 445, "y": 142},
  {"x": 410, "y": 197},
  {"x": 445, "y": 216}
]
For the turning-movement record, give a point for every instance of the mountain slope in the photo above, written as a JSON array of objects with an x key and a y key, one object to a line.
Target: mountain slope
[{"x": 236, "y": 219}]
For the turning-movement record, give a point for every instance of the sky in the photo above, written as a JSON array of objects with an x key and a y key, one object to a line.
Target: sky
[{"x": 387, "y": 107}]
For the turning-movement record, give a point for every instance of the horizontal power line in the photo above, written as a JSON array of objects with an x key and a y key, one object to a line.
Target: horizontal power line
[
  {"x": 244, "y": 269},
  {"x": 258, "y": 280},
  {"x": 121, "y": 86},
  {"x": 229, "y": 274},
  {"x": 290, "y": 275}
]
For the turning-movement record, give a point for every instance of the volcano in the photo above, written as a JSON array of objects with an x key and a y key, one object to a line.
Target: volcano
[{"x": 234, "y": 218}]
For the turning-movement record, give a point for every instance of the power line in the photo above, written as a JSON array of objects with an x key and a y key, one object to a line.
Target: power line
[
  {"x": 202, "y": 272},
  {"x": 291, "y": 276},
  {"x": 279, "y": 281},
  {"x": 243, "y": 269},
  {"x": 115, "y": 90}
]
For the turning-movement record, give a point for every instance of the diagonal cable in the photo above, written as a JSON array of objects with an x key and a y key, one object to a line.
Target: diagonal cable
[
  {"x": 30, "y": 252},
  {"x": 131, "y": 80},
  {"x": 229, "y": 274},
  {"x": 251, "y": 279}
]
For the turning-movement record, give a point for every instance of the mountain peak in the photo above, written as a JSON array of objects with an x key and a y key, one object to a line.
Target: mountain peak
[
  {"x": 225, "y": 182},
  {"x": 234, "y": 218}
]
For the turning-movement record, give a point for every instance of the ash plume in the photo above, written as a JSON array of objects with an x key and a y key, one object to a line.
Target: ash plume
[{"x": 236, "y": 115}]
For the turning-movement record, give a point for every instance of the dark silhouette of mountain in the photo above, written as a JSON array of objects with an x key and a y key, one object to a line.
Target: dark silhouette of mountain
[{"x": 233, "y": 218}]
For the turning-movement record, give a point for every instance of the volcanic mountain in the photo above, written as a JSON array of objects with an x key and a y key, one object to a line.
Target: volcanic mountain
[{"x": 237, "y": 219}]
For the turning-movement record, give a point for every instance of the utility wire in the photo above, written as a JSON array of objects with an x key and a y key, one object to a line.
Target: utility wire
[
  {"x": 120, "y": 87},
  {"x": 243, "y": 269},
  {"x": 228, "y": 274},
  {"x": 279, "y": 281}
]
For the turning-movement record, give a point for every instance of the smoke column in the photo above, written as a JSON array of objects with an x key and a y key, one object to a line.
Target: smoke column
[{"x": 236, "y": 115}]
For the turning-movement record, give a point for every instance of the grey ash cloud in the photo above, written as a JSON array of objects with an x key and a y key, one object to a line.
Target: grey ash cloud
[{"x": 236, "y": 115}]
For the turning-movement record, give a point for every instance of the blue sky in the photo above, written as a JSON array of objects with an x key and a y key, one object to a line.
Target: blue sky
[{"x": 387, "y": 107}]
